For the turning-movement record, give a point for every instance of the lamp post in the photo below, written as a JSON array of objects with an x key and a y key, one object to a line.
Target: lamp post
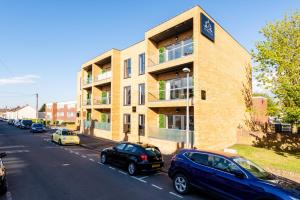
[{"x": 187, "y": 71}]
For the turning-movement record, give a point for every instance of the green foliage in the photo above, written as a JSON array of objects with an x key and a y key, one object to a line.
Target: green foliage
[
  {"x": 273, "y": 109},
  {"x": 162, "y": 92},
  {"x": 162, "y": 121},
  {"x": 103, "y": 117},
  {"x": 43, "y": 108},
  {"x": 278, "y": 59},
  {"x": 161, "y": 54}
]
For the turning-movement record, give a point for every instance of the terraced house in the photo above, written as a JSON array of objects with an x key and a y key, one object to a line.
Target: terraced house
[{"x": 141, "y": 93}]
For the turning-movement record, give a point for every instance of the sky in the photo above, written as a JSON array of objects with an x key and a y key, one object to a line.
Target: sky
[{"x": 44, "y": 43}]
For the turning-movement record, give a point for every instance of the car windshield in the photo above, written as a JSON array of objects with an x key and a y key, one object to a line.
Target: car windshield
[
  {"x": 67, "y": 132},
  {"x": 38, "y": 125},
  {"x": 254, "y": 169},
  {"x": 27, "y": 122},
  {"x": 152, "y": 151}
]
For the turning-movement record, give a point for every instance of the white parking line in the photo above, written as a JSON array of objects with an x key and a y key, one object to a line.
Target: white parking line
[
  {"x": 157, "y": 187},
  {"x": 77, "y": 153},
  {"x": 176, "y": 195},
  {"x": 92, "y": 160},
  {"x": 112, "y": 168},
  {"x": 143, "y": 177},
  {"x": 100, "y": 163},
  {"x": 13, "y": 146},
  {"x": 83, "y": 156},
  {"x": 17, "y": 151},
  {"x": 122, "y": 172},
  {"x": 143, "y": 181},
  {"x": 65, "y": 164}
]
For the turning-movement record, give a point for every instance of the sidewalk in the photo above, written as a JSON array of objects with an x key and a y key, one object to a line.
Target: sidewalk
[{"x": 97, "y": 144}]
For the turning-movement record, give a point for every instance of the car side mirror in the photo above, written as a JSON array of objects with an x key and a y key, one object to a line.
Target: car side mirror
[
  {"x": 239, "y": 174},
  {"x": 2, "y": 155}
]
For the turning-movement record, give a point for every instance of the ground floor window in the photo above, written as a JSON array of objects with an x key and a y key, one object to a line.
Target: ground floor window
[
  {"x": 142, "y": 125},
  {"x": 175, "y": 122},
  {"x": 126, "y": 123}
]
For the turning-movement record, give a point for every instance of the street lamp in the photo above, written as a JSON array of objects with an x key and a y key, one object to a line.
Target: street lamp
[{"x": 187, "y": 71}]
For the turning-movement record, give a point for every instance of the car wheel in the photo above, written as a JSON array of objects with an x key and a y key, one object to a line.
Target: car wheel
[
  {"x": 181, "y": 184},
  {"x": 59, "y": 142},
  {"x": 3, "y": 189},
  {"x": 103, "y": 158},
  {"x": 131, "y": 168}
]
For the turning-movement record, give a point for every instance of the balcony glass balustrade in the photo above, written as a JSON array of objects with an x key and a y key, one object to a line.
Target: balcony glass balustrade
[
  {"x": 103, "y": 76},
  {"x": 102, "y": 126}
]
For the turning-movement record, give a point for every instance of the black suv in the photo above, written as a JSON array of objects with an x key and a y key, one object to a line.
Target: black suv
[
  {"x": 3, "y": 185},
  {"x": 25, "y": 124},
  {"x": 135, "y": 157}
]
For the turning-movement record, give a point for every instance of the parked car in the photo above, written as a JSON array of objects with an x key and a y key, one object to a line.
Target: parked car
[
  {"x": 17, "y": 123},
  {"x": 135, "y": 157},
  {"x": 37, "y": 128},
  {"x": 10, "y": 122},
  {"x": 25, "y": 124},
  {"x": 3, "y": 184},
  {"x": 229, "y": 176},
  {"x": 65, "y": 136}
]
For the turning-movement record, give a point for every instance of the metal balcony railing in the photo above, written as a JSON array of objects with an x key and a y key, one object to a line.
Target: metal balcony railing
[
  {"x": 170, "y": 94},
  {"x": 102, "y": 101},
  {"x": 103, "y": 76},
  {"x": 87, "y": 81},
  {"x": 102, "y": 126},
  {"x": 87, "y": 102},
  {"x": 175, "y": 135},
  {"x": 86, "y": 124}
]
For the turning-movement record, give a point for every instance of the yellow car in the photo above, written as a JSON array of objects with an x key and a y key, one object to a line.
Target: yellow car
[{"x": 65, "y": 136}]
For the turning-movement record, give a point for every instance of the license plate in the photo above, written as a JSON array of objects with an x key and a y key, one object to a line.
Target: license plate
[{"x": 155, "y": 165}]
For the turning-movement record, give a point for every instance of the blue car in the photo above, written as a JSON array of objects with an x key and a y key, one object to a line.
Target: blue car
[
  {"x": 37, "y": 128},
  {"x": 229, "y": 176}
]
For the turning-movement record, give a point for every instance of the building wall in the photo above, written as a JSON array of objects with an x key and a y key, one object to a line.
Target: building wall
[
  {"x": 26, "y": 113},
  {"x": 260, "y": 112}
]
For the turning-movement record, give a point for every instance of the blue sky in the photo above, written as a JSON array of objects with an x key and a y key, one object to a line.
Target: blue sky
[{"x": 44, "y": 43}]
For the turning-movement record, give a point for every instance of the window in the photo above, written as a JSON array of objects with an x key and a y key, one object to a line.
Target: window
[
  {"x": 127, "y": 68},
  {"x": 120, "y": 146},
  {"x": 142, "y": 125},
  {"x": 223, "y": 164},
  {"x": 70, "y": 114},
  {"x": 179, "y": 122},
  {"x": 126, "y": 123},
  {"x": 199, "y": 158},
  {"x": 142, "y": 64},
  {"x": 130, "y": 148},
  {"x": 203, "y": 95},
  {"x": 142, "y": 94},
  {"x": 127, "y": 96}
]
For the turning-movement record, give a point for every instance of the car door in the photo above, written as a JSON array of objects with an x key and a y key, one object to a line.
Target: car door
[
  {"x": 127, "y": 154},
  {"x": 199, "y": 169},
  {"x": 57, "y": 135},
  {"x": 117, "y": 152},
  {"x": 230, "y": 180}
]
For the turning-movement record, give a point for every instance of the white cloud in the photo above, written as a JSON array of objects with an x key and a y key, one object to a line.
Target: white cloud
[{"x": 26, "y": 79}]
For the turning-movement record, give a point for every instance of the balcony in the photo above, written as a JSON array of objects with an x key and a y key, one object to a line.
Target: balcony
[
  {"x": 175, "y": 135},
  {"x": 102, "y": 102},
  {"x": 103, "y": 78},
  {"x": 87, "y": 102},
  {"x": 87, "y": 82},
  {"x": 86, "y": 124},
  {"x": 102, "y": 126},
  {"x": 174, "y": 55},
  {"x": 170, "y": 98}
]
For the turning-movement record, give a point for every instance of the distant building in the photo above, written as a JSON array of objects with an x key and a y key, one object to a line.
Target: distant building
[
  {"x": 24, "y": 112},
  {"x": 260, "y": 109},
  {"x": 61, "y": 111}
]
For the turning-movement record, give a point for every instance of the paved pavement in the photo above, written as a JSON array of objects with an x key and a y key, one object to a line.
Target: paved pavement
[{"x": 39, "y": 169}]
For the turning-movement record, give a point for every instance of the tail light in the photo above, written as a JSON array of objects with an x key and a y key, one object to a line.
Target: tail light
[{"x": 144, "y": 157}]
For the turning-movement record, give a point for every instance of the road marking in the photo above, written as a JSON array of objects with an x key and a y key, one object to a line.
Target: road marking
[
  {"x": 11, "y": 147},
  {"x": 157, "y": 174},
  {"x": 17, "y": 151},
  {"x": 92, "y": 160},
  {"x": 112, "y": 168},
  {"x": 100, "y": 163},
  {"x": 8, "y": 195},
  {"x": 122, "y": 172},
  {"x": 83, "y": 156},
  {"x": 143, "y": 177},
  {"x": 143, "y": 181},
  {"x": 176, "y": 195},
  {"x": 77, "y": 153},
  {"x": 157, "y": 187},
  {"x": 65, "y": 164}
]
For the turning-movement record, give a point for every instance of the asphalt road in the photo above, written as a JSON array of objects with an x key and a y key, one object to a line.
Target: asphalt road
[{"x": 38, "y": 169}]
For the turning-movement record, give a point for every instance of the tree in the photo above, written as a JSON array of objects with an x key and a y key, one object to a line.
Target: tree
[
  {"x": 43, "y": 108},
  {"x": 272, "y": 109},
  {"x": 278, "y": 59}
]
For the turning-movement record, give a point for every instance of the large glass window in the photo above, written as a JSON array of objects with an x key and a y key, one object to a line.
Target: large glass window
[
  {"x": 142, "y": 125},
  {"x": 179, "y": 122},
  {"x": 142, "y": 64},
  {"x": 127, "y": 96},
  {"x": 126, "y": 123},
  {"x": 141, "y": 94},
  {"x": 127, "y": 68}
]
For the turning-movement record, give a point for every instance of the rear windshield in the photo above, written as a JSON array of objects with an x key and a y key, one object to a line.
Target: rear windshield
[
  {"x": 38, "y": 125},
  {"x": 152, "y": 151},
  {"x": 27, "y": 122},
  {"x": 65, "y": 132}
]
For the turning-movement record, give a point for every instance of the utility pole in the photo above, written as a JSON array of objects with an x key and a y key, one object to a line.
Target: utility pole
[
  {"x": 188, "y": 138},
  {"x": 37, "y": 105}
]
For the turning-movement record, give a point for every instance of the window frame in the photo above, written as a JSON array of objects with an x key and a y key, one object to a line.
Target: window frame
[
  {"x": 125, "y": 97},
  {"x": 142, "y": 58},
  {"x": 127, "y": 68},
  {"x": 139, "y": 124},
  {"x": 140, "y": 94}
]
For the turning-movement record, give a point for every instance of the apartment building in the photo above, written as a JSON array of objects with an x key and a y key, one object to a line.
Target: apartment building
[
  {"x": 141, "y": 93},
  {"x": 61, "y": 111}
]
